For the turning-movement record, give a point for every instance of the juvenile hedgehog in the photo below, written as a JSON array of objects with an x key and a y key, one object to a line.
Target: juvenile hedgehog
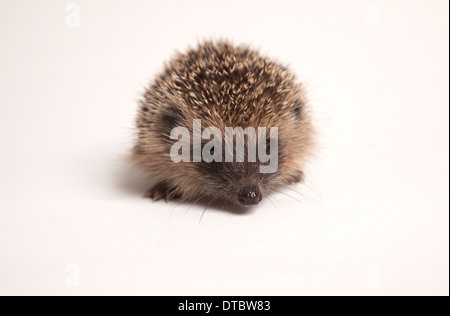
[{"x": 224, "y": 86}]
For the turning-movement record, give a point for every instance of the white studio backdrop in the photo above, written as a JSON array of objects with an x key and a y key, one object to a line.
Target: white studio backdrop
[{"x": 372, "y": 218}]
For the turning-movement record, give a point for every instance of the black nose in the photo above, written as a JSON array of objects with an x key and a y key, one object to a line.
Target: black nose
[{"x": 249, "y": 196}]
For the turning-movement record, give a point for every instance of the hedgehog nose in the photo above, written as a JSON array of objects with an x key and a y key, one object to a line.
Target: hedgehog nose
[{"x": 249, "y": 196}]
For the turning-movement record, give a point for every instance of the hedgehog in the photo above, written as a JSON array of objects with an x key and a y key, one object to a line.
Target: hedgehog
[{"x": 224, "y": 85}]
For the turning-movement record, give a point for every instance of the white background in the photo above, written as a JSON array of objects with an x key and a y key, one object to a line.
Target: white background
[{"x": 372, "y": 219}]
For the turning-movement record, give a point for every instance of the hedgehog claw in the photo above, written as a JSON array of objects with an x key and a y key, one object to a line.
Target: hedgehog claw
[{"x": 160, "y": 192}]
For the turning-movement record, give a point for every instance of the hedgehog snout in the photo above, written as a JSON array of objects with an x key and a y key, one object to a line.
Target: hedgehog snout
[{"x": 249, "y": 196}]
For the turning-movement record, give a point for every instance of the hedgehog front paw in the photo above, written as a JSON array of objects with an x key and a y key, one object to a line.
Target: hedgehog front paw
[
  {"x": 162, "y": 191},
  {"x": 296, "y": 177}
]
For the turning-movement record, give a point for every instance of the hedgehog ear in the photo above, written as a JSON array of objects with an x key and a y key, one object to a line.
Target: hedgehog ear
[
  {"x": 297, "y": 108},
  {"x": 171, "y": 117}
]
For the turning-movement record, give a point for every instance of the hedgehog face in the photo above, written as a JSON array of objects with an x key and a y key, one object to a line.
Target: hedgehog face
[
  {"x": 240, "y": 183},
  {"x": 243, "y": 183}
]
